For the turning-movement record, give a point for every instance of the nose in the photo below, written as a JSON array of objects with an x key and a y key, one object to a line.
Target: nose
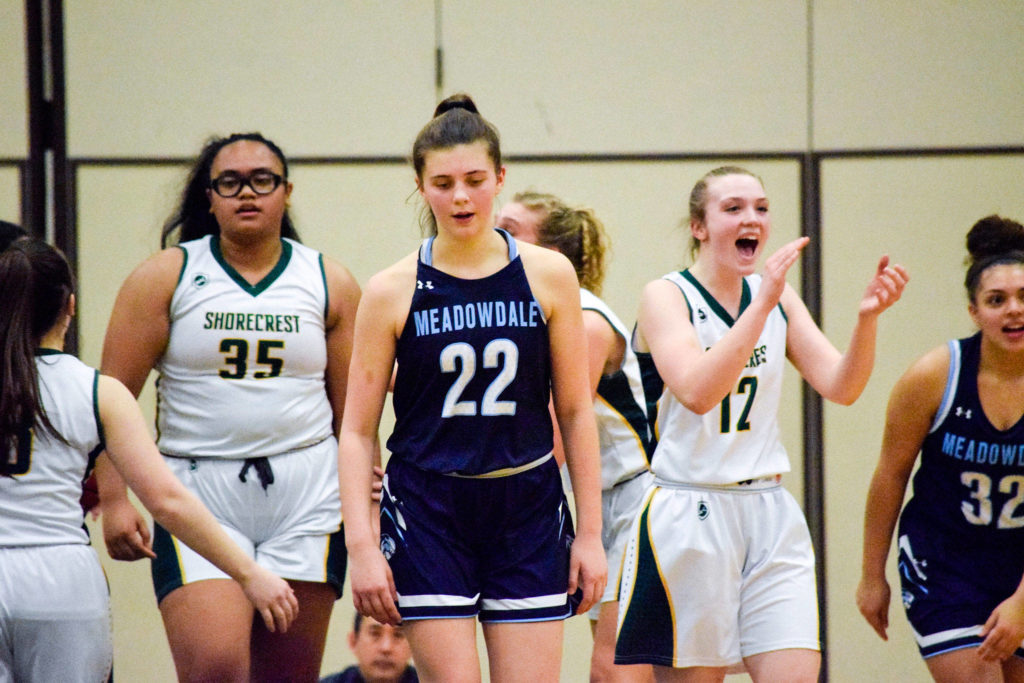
[
  {"x": 461, "y": 194},
  {"x": 246, "y": 189}
]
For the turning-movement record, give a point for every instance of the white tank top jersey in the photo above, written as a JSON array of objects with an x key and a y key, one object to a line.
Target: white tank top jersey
[
  {"x": 243, "y": 374},
  {"x": 620, "y": 408},
  {"x": 39, "y": 504},
  {"x": 739, "y": 439}
]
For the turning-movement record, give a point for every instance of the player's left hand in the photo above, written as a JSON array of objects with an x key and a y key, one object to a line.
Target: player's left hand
[
  {"x": 885, "y": 287},
  {"x": 588, "y": 570},
  {"x": 1004, "y": 630}
]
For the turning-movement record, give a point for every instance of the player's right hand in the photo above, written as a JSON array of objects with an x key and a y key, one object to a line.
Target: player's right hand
[
  {"x": 125, "y": 531},
  {"x": 273, "y": 598},
  {"x": 873, "y": 597},
  {"x": 373, "y": 587}
]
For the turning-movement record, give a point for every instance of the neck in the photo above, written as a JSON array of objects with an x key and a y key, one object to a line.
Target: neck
[
  {"x": 54, "y": 339},
  {"x": 251, "y": 253},
  {"x": 469, "y": 252},
  {"x": 724, "y": 285}
]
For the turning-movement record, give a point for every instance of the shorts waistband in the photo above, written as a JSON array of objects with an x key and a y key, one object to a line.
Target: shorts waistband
[
  {"x": 505, "y": 471},
  {"x": 759, "y": 484}
]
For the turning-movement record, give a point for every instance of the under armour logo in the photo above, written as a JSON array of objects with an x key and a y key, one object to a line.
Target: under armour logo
[
  {"x": 420, "y": 284},
  {"x": 961, "y": 412}
]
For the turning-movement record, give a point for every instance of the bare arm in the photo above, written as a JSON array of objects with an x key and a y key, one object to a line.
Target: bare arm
[
  {"x": 574, "y": 409},
  {"x": 133, "y": 453},
  {"x": 370, "y": 372},
  {"x": 912, "y": 407},
  {"x": 136, "y": 337},
  {"x": 700, "y": 378},
  {"x": 605, "y": 349},
  {"x": 842, "y": 377}
]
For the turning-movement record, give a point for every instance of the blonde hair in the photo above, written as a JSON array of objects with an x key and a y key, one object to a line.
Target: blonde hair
[{"x": 580, "y": 236}]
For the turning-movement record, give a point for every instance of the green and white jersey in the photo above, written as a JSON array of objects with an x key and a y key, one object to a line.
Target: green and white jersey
[
  {"x": 39, "y": 504},
  {"x": 243, "y": 373},
  {"x": 620, "y": 408},
  {"x": 739, "y": 439}
]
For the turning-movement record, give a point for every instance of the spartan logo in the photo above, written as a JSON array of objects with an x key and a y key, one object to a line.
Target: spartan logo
[
  {"x": 702, "y": 511},
  {"x": 200, "y": 280},
  {"x": 702, "y": 315},
  {"x": 387, "y": 546}
]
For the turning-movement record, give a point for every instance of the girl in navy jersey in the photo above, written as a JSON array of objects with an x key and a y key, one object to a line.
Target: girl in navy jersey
[
  {"x": 473, "y": 520},
  {"x": 55, "y": 416},
  {"x": 250, "y": 332},
  {"x": 719, "y": 573},
  {"x": 616, "y": 389},
  {"x": 961, "y": 535}
]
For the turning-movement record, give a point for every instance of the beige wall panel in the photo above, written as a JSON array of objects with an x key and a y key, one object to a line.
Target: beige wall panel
[
  {"x": 320, "y": 77},
  {"x": 632, "y": 77},
  {"x": 13, "y": 80},
  {"x": 918, "y": 211},
  {"x": 10, "y": 194},
  {"x": 918, "y": 73},
  {"x": 642, "y": 206}
]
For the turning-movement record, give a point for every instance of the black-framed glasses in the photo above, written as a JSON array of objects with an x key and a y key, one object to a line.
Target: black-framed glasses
[{"x": 229, "y": 184}]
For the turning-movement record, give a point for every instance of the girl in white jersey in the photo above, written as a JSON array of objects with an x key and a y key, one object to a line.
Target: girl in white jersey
[
  {"x": 251, "y": 333},
  {"x": 719, "y": 572},
  {"x": 438, "y": 563},
  {"x": 55, "y": 415},
  {"x": 617, "y": 392}
]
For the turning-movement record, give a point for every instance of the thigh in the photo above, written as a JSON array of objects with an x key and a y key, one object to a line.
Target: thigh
[
  {"x": 681, "y": 577},
  {"x": 793, "y": 666},
  {"x": 55, "y": 601},
  {"x": 296, "y": 654},
  {"x": 209, "y": 626},
  {"x": 527, "y": 651},
  {"x": 964, "y": 665},
  {"x": 778, "y": 601},
  {"x": 444, "y": 649}
]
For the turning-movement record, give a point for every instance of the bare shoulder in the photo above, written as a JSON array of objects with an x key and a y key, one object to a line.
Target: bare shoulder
[
  {"x": 548, "y": 271},
  {"x": 924, "y": 382},
  {"x": 388, "y": 293},
  {"x": 338, "y": 275},
  {"x": 160, "y": 271}
]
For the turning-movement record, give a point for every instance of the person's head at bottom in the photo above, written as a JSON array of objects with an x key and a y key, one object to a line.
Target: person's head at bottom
[{"x": 381, "y": 651}]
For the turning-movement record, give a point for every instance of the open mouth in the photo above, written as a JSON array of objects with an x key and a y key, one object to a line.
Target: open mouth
[{"x": 746, "y": 246}]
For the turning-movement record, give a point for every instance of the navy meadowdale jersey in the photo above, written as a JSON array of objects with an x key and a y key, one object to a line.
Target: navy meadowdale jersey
[
  {"x": 474, "y": 372},
  {"x": 970, "y": 482}
]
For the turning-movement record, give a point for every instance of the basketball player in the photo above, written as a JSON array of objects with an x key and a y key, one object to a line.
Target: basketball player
[
  {"x": 251, "y": 333},
  {"x": 961, "y": 543},
  {"x": 473, "y": 518},
  {"x": 55, "y": 415},
  {"x": 719, "y": 571}
]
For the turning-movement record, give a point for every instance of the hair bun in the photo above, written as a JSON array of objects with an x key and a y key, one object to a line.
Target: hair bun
[
  {"x": 457, "y": 101},
  {"x": 994, "y": 235}
]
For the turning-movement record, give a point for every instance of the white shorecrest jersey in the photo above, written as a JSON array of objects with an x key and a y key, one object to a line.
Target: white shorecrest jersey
[
  {"x": 243, "y": 373},
  {"x": 739, "y": 439},
  {"x": 39, "y": 504},
  {"x": 620, "y": 408}
]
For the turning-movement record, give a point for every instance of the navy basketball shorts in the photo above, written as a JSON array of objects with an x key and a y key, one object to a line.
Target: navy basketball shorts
[
  {"x": 493, "y": 548},
  {"x": 950, "y": 587}
]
